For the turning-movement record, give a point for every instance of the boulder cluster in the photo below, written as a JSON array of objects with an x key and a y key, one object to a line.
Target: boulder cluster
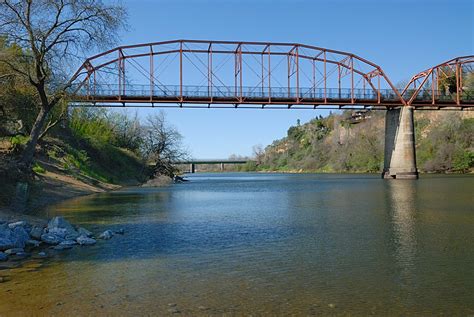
[{"x": 59, "y": 234}]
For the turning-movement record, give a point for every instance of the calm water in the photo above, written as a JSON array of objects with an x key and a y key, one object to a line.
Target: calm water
[{"x": 240, "y": 244}]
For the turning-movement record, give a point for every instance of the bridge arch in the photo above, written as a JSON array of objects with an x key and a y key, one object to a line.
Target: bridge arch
[{"x": 233, "y": 74}]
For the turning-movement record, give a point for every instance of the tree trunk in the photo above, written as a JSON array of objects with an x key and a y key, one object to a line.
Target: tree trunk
[{"x": 29, "y": 151}]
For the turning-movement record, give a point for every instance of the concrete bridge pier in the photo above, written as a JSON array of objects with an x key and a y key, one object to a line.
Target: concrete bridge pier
[
  {"x": 222, "y": 167},
  {"x": 192, "y": 168},
  {"x": 399, "y": 155}
]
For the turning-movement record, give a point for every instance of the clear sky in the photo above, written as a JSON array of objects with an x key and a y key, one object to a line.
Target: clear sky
[{"x": 402, "y": 36}]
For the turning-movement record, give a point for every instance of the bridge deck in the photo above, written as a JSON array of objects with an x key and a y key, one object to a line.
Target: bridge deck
[{"x": 280, "y": 98}]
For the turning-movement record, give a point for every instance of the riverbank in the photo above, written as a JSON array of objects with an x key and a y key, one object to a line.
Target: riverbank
[
  {"x": 65, "y": 166},
  {"x": 24, "y": 234},
  {"x": 52, "y": 186}
]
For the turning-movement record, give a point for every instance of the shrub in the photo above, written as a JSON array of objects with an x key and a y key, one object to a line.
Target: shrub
[{"x": 38, "y": 169}]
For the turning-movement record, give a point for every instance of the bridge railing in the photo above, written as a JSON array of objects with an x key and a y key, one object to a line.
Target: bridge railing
[
  {"x": 439, "y": 95},
  {"x": 175, "y": 91}
]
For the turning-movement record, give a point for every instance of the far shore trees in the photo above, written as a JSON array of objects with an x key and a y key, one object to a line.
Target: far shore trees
[{"x": 51, "y": 35}]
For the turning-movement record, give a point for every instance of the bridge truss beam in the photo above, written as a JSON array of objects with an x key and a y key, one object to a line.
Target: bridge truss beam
[{"x": 230, "y": 74}]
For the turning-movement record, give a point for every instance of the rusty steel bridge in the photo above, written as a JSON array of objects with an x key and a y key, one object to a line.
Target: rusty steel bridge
[{"x": 227, "y": 74}]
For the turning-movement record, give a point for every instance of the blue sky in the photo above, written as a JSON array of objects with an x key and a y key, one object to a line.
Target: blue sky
[{"x": 403, "y": 37}]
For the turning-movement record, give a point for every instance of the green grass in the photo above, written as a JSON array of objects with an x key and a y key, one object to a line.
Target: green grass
[{"x": 38, "y": 169}]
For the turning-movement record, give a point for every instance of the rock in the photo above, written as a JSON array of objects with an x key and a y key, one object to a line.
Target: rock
[
  {"x": 59, "y": 232},
  {"x": 106, "y": 235},
  {"x": 6, "y": 237},
  {"x": 36, "y": 232},
  {"x": 42, "y": 254},
  {"x": 61, "y": 227},
  {"x": 84, "y": 232},
  {"x": 33, "y": 243},
  {"x": 5, "y": 244},
  {"x": 3, "y": 257},
  {"x": 22, "y": 255},
  {"x": 62, "y": 247},
  {"x": 68, "y": 242},
  {"x": 174, "y": 310},
  {"x": 19, "y": 237},
  {"x": 72, "y": 236},
  {"x": 13, "y": 225},
  {"x": 119, "y": 231},
  {"x": 83, "y": 240},
  {"x": 51, "y": 239},
  {"x": 14, "y": 251},
  {"x": 332, "y": 305}
]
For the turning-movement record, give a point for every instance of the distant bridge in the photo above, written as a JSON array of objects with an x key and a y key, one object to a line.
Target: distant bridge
[{"x": 192, "y": 163}]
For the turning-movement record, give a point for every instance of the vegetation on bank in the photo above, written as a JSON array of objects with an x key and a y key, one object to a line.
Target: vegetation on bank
[
  {"x": 354, "y": 142},
  {"x": 41, "y": 45}
]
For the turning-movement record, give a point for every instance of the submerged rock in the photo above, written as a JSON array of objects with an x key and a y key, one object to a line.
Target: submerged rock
[
  {"x": 21, "y": 255},
  {"x": 51, "y": 239},
  {"x": 119, "y": 231},
  {"x": 3, "y": 257},
  {"x": 68, "y": 242},
  {"x": 62, "y": 247},
  {"x": 14, "y": 251},
  {"x": 106, "y": 235},
  {"x": 33, "y": 243},
  {"x": 83, "y": 240},
  {"x": 42, "y": 254}
]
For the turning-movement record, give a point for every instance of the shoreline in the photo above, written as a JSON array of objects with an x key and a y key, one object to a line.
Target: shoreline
[{"x": 51, "y": 188}]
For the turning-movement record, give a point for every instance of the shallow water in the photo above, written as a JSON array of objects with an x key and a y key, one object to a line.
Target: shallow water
[{"x": 262, "y": 244}]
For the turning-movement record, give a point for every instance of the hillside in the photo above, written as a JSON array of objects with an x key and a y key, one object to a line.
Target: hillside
[{"x": 353, "y": 142}]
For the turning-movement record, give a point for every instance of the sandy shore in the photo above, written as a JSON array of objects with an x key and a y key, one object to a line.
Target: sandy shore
[{"x": 52, "y": 187}]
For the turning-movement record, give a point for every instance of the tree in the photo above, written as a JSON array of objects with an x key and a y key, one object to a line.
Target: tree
[
  {"x": 162, "y": 145},
  {"x": 258, "y": 153},
  {"x": 52, "y": 34}
]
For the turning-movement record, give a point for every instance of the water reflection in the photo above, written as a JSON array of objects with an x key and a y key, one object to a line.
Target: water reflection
[{"x": 402, "y": 198}]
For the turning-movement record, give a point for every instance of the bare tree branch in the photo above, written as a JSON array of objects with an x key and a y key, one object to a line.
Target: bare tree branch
[{"x": 50, "y": 34}]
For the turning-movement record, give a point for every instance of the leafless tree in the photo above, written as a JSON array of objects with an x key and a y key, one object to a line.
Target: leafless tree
[
  {"x": 51, "y": 35},
  {"x": 258, "y": 152},
  {"x": 163, "y": 145}
]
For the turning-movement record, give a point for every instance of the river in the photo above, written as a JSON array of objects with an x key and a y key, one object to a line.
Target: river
[{"x": 262, "y": 244}]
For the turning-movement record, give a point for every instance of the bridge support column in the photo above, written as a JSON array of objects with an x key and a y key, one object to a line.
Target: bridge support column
[
  {"x": 192, "y": 168},
  {"x": 222, "y": 167},
  {"x": 399, "y": 155}
]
